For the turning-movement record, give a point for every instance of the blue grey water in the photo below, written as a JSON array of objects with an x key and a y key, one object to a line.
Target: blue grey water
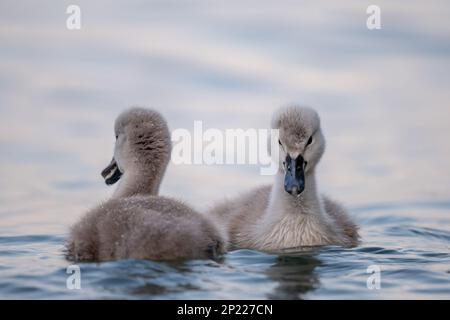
[{"x": 383, "y": 96}]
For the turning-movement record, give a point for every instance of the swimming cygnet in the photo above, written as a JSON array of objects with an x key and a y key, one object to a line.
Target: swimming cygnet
[
  {"x": 136, "y": 223},
  {"x": 290, "y": 213}
]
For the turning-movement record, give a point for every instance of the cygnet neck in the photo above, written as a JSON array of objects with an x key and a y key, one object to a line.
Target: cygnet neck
[
  {"x": 139, "y": 182},
  {"x": 283, "y": 203}
]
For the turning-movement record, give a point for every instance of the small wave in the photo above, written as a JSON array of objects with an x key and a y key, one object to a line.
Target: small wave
[
  {"x": 26, "y": 239},
  {"x": 422, "y": 232}
]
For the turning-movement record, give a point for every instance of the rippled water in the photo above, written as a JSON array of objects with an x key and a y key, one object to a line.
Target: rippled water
[
  {"x": 383, "y": 98},
  {"x": 414, "y": 262}
]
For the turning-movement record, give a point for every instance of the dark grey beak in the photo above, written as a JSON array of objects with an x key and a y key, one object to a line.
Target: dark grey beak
[
  {"x": 111, "y": 173},
  {"x": 294, "y": 180}
]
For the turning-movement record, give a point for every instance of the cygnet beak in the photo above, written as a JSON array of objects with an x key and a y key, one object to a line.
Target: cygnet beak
[
  {"x": 111, "y": 173},
  {"x": 294, "y": 180}
]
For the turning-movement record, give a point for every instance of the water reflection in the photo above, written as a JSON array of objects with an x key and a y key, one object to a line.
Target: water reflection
[{"x": 295, "y": 275}]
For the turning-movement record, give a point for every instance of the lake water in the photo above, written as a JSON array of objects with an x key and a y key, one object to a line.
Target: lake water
[{"x": 382, "y": 95}]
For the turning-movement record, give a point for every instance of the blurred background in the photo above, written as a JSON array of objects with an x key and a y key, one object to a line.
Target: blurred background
[{"x": 383, "y": 96}]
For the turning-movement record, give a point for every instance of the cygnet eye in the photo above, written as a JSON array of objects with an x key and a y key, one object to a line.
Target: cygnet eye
[
  {"x": 117, "y": 136},
  {"x": 309, "y": 141},
  {"x": 279, "y": 142}
]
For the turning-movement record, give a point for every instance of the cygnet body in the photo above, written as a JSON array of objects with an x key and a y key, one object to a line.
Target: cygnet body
[
  {"x": 290, "y": 213},
  {"x": 136, "y": 223}
]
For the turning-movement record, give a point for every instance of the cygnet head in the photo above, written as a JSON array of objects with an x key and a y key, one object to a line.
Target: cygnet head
[
  {"x": 301, "y": 144},
  {"x": 142, "y": 146}
]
